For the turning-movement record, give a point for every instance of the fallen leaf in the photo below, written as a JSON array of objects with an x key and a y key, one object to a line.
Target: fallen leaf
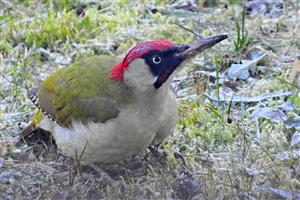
[
  {"x": 226, "y": 93},
  {"x": 272, "y": 114},
  {"x": 271, "y": 8},
  {"x": 241, "y": 71},
  {"x": 288, "y": 106},
  {"x": 200, "y": 88},
  {"x": 279, "y": 192},
  {"x": 295, "y": 139},
  {"x": 293, "y": 122},
  {"x": 294, "y": 74}
]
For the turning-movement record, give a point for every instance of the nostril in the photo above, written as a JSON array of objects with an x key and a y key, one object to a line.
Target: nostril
[
  {"x": 186, "y": 47},
  {"x": 175, "y": 49},
  {"x": 182, "y": 48}
]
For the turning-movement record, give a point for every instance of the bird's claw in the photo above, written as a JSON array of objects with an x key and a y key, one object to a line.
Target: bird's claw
[
  {"x": 162, "y": 155},
  {"x": 178, "y": 155},
  {"x": 157, "y": 153}
]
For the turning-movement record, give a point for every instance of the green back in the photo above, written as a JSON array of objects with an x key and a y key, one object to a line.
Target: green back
[{"x": 80, "y": 92}]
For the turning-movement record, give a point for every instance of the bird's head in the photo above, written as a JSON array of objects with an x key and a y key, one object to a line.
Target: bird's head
[{"x": 151, "y": 64}]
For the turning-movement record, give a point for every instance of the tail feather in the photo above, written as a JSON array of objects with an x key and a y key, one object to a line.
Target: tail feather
[
  {"x": 30, "y": 129},
  {"x": 33, "y": 96}
]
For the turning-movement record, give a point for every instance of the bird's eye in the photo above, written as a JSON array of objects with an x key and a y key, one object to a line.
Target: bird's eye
[{"x": 156, "y": 59}]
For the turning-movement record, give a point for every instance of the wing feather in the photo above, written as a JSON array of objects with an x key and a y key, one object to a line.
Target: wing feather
[{"x": 79, "y": 92}]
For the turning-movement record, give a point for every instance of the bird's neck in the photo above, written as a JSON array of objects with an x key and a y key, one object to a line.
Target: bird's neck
[{"x": 126, "y": 95}]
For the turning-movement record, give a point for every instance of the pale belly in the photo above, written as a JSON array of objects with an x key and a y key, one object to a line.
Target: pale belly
[{"x": 114, "y": 140}]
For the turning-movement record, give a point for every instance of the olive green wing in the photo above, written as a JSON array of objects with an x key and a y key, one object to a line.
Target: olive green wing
[{"x": 79, "y": 92}]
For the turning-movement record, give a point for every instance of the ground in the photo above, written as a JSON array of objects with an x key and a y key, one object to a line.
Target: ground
[{"x": 239, "y": 101}]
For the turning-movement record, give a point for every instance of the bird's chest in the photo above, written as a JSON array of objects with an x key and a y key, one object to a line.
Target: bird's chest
[{"x": 149, "y": 121}]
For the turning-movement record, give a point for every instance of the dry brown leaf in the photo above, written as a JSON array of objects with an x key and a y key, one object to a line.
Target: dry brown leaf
[
  {"x": 295, "y": 72},
  {"x": 200, "y": 88}
]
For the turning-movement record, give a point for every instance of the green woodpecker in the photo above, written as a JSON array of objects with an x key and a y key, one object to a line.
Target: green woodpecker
[{"x": 109, "y": 110}]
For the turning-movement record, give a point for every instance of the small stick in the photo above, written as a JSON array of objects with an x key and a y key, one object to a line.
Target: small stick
[{"x": 189, "y": 30}]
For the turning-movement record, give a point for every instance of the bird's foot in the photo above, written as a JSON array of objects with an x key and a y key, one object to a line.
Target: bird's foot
[
  {"x": 155, "y": 152},
  {"x": 162, "y": 155},
  {"x": 179, "y": 156}
]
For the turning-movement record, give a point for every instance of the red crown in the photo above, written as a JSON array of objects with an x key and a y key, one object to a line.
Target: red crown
[{"x": 138, "y": 51}]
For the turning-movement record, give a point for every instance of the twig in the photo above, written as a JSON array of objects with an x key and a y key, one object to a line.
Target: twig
[
  {"x": 257, "y": 129},
  {"x": 238, "y": 99},
  {"x": 189, "y": 30},
  {"x": 78, "y": 159}
]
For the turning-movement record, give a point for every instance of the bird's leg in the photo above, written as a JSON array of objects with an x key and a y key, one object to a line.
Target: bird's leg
[
  {"x": 154, "y": 150},
  {"x": 178, "y": 155},
  {"x": 147, "y": 154},
  {"x": 162, "y": 155}
]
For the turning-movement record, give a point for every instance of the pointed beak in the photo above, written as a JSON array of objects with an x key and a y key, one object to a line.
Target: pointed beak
[
  {"x": 180, "y": 53},
  {"x": 200, "y": 46}
]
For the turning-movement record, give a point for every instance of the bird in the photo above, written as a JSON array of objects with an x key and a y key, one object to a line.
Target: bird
[{"x": 105, "y": 108}]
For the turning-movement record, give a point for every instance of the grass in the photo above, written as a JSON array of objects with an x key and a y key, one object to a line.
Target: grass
[
  {"x": 224, "y": 159},
  {"x": 242, "y": 37}
]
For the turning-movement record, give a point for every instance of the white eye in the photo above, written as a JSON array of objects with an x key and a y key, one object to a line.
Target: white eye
[{"x": 156, "y": 59}]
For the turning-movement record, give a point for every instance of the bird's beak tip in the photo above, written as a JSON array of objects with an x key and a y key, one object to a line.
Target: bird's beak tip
[{"x": 201, "y": 45}]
